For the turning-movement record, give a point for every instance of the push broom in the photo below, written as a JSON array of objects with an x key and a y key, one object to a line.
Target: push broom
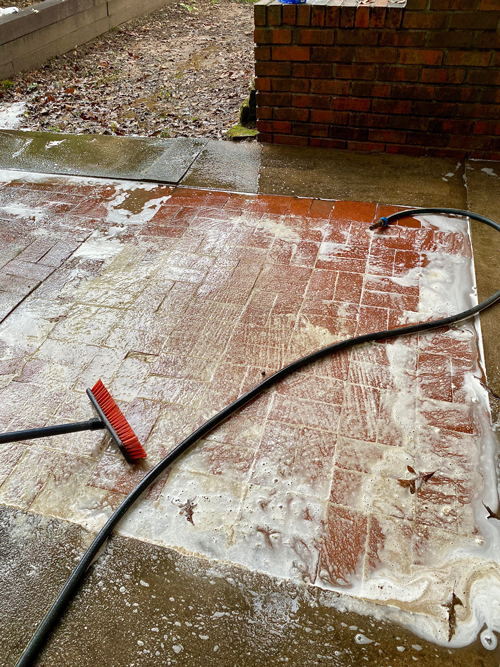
[{"x": 110, "y": 418}]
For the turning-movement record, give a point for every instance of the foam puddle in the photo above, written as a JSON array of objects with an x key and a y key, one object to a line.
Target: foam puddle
[{"x": 11, "y": 115}]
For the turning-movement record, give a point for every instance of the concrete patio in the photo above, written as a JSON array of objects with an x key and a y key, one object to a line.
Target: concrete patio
[{"x": 285, "y": 536}]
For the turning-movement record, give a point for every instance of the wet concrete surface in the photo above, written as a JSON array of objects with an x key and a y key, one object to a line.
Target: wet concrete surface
[
  {"x": 144, "y": 605},
  {"x": 140, "y": 158},
  {"x": 242, "y": 167},
  {"x": 224, "y": 165},
  {"x": 336, "y": 174}
]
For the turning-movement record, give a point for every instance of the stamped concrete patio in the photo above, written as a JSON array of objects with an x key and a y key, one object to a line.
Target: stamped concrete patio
[{"x": 307, "y": 529}]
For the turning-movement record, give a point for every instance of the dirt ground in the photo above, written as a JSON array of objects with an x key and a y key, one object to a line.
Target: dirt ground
[
  {"x": 20, "y": 4},
  {"x": 182, "y": 71}
]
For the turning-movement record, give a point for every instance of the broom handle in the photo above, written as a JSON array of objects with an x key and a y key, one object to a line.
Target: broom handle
[{"x": 46, "y": 431}]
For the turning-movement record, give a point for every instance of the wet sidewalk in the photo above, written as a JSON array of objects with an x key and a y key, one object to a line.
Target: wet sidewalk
[{"x": 182, "y": 298}]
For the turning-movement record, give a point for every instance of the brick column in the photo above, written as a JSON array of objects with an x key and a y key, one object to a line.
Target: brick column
[{"x": 418, "y": 77}]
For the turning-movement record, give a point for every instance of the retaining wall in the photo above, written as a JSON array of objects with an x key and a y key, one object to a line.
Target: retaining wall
[
  {"x": 419, "y": 78},
  {"x": 30, "y": 37}
]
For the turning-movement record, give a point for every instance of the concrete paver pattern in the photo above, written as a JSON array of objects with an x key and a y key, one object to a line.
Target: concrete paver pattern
[{"x": 180, "y": 300}]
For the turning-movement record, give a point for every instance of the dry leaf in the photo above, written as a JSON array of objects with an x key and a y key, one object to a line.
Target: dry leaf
[
  {"x": 491, "y": 513},
  {"x": 408, "y": 484}
]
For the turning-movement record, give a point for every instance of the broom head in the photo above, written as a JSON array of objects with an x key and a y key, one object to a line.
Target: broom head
[{"x": 115, "y": 422}]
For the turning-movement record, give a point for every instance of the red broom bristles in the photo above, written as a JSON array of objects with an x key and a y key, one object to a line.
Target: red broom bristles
[{"x": 115, "y": 417}]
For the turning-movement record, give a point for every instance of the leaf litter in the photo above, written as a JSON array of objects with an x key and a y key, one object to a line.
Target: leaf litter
[{"x": 181, "y": 71}]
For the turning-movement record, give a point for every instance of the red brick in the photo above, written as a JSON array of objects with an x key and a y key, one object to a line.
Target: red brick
[
  {"x": 330, "y": 87},
  {"x": 484, "y": 77},
  {"x": 267, "y": 36},
  {"x": 290, "y": 140},
  {"x": 268, "y": 68},
  {"x": 324, "y": 116},
  {"x": 413, "y": 92},
  {"x": 342, "y": 54},
  {"x": 468, "y": 58},
  {"x": 367, "y": 54},
  {"x": 290, "y": 113},
  {"x": 368, "y": 120},
  {"x": 488, "y": 4},
  {"x": 486, "y": 127},
  {"x": 425, "y": 20},
  {"x": 450, "y": 126},
  {"x": 414, "y": 151},
  {"x": 304, "y": 15},
  {"x": 274, "y": 99},
  {"x": 357, "y": 37},
  {"x": 303, "y": 36},
  {"x": 363, "y": 72},
  {"x": 434, "y": 109},
  {"x": 459, "y": 39},
  {"x": 442, "y": 75},
  {"x": 262, "y": 84},
  {"x": 262, "y": 53},
  {"x": 260, "y": 15},
  {"x": 416, "y": 4},
  {"x": 274, "y": 126},
  {"x": 387, "y": 136},
  {"x": 289, "y": 15},
  {"x": 343, "y": 545},
  {"x": 479, "y": 111},
  {"x": 360, "y": 89},
  {"x": 394, "y": 17},
  {"x": 490, "y": 96},
  {"x": 317, "y": 16},
  {"x": 446, "y": 5},
  {"x": 265, "y": 138},
  {"x": 327, "y": 143},
  {"x": 377, "y": 18},
  {"x": 347, "y": 16},
  {"x": 362, "y": 18},
  {"x": 474, "y": 20},
  {"x": 351, "y": 104},
  {"x": 490, "y": 40},
  {"x": 310, "y": 101},
  {"x": 420, "y": 57},
  {"x": 316, "y": 71},
  {"x": 402, "y": 38},
  {"x": 274, "y": 14},
  {"x": 348, "y": 133},
  {"x": 482, "y": 143},
  {"x": 398, "y": 73},
  {"x": 408, "y": 123},
  {"x": 428, "y": 139},
  {"x": 291, "y": 53},
  {"x": 290, "y": 84},
  {"x": 264, "y": 113},
  {"x": 332, "y": 17},
  {"x": 310, "y": 129},
  {"x": 391, "y": 106},
  {"x": 455, "y": 94}
]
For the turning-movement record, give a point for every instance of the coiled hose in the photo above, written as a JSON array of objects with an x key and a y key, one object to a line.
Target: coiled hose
[{"x": 49, "y": 622}]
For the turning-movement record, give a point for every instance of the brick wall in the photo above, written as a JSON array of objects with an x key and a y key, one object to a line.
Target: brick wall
[
  {"x": 375, "y": 75},
  {"x": 30, "y": 37}
]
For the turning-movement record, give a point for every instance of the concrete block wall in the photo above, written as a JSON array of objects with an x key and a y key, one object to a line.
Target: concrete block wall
[
  {"x": 419, "y": 77},
  {"x": 42, "y": 31}
]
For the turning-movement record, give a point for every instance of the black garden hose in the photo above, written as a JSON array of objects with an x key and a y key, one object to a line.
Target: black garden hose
[{"x": 49, "y": 622}]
